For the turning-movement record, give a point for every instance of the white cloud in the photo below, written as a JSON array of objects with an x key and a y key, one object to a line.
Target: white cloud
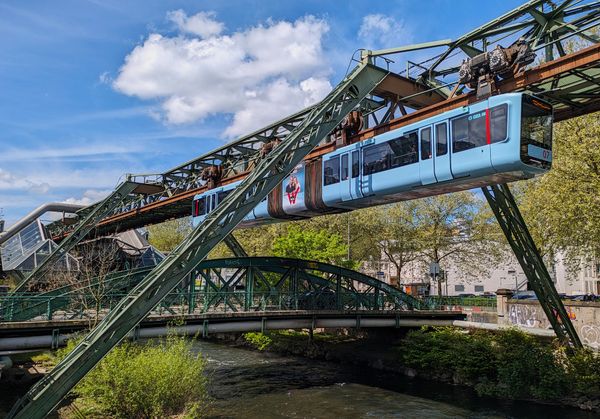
[
  {"x": 202, "y": 24},
  {"x": 257, "y": 75},
  {"x": 89, "y": 197},
  {"x": 10, "y": 181},
  {"x": 380, "y": 31}
]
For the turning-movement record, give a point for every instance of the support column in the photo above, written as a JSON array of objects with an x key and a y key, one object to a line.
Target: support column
[{"x": 511, "y": 221}]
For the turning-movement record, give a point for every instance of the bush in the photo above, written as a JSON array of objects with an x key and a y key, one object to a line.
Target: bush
[
  {"x": 526, "y": 368},
  {"x": 259, "y": 340},
  {"x": 153, "y": 380},
  {"x": 449, "y": 351},
  {"x": 508, "y": 364},
  {"x": 583, "y": 369}
]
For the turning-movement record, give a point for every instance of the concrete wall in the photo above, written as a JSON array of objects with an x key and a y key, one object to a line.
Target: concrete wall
[{"x": 584, "y": 315}]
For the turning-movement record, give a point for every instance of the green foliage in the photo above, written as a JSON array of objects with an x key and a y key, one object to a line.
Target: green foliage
[
  {"x": 584, "y": 372},
  {"x": 167, "y": 236},
  {"x": 526, "y": 368},
  {"x": 259, "y": 340},
  {"x": 451, "y": 352},
  {"x": 153, "y": 380},
  {"x": 320, "y": 245},
  {"x": 509, "y": 364},
  {"x": 561, "y": 207}
]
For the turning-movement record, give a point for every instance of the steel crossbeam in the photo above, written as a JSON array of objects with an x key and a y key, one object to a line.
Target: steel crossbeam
[
  {"x": 269, "y": 172},
  {"x": 509, "y": 217}
]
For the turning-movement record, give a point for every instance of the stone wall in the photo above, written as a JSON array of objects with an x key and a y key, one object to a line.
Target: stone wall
[{"x": 584, "y": 315}]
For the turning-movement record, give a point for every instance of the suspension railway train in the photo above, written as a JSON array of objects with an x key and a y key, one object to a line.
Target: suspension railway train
[{"x": 502, "y": 139}]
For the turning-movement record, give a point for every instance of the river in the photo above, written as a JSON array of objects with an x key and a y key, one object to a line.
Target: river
[{"x": 253, "y": 385}]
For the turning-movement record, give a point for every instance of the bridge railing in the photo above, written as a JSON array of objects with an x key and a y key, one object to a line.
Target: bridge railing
[{"x": 184, "y": 302}]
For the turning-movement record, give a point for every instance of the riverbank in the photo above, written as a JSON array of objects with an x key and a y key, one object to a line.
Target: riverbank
[{"x": 508, "y": 365}]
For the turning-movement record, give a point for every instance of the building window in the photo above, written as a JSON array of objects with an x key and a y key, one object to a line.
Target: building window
[
  {"x": 478, "y": 288},
  {"x": 459, "y": 288}
]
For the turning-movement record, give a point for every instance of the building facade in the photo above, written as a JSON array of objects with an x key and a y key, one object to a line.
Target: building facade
[{"x": 416, "y": 279}]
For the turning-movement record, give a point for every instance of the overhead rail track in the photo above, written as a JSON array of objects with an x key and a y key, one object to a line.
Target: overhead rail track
[{"x": 571, "y": 83}]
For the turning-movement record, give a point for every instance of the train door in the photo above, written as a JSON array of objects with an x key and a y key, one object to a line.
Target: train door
[
  {"x": 355, "y": 178},
  {"x": 426, "y": 161},
  {"x": 441, "y": 155},
  {"x": 365, "y": 184},
  {"x": 350, "y": 175},
  {"x": 211, "y": 203}
]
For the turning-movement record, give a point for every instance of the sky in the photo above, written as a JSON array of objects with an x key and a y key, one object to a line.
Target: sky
[{"x": 93, "y": 90}]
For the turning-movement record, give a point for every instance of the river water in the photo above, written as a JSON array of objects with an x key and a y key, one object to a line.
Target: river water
[{"x": 256, "y": 385}]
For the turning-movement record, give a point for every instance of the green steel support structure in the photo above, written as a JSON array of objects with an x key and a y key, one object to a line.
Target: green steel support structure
[
  {"x": 269, "y": 172},
  {"x": 98, "y": 212},
  {"x": 252, "y": 283},
  {"x": 509, "y": 217}
]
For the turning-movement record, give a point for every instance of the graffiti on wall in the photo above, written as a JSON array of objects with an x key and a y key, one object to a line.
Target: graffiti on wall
[
  {"x": 590, "y": 335},
  {"x": 524, "y": 315}
]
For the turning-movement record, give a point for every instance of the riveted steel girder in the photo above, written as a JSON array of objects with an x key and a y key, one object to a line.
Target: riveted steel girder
[{"x": 509, "y": 217}]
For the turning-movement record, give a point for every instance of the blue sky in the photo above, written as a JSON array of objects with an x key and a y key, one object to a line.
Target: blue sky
[{"x": 91, "y": 90}]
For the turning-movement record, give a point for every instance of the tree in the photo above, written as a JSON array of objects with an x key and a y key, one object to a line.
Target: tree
[
  {"x": 166, "y": 236},
  {"x": 393, "y": 231},
  {"x": 321, "y": 246},
  {"x": 90, "y": 284},
  {"x": 458, "y": 228},
  {"x": 562, "y": 207}
]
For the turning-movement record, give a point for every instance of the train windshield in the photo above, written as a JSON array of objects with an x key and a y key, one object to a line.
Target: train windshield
[{"x": 536, "y": 123}]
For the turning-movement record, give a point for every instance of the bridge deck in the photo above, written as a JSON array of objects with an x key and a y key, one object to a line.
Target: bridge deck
[{"x": 27, "y": 328}]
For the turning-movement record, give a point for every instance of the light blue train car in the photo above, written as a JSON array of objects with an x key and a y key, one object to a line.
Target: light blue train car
[{"x": 502, "y": 139}]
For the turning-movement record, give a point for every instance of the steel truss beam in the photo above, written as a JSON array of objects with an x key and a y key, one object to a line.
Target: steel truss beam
[
  {"x": 509, "y": 217},
  {"x": 268, "y": 173},
  {"x": 283, "y": 282}
]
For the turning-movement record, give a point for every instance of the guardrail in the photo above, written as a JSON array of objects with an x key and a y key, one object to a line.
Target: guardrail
[{"x": 81, "y": 306}]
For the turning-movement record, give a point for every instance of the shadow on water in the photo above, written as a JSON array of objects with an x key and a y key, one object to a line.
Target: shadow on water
[{"x": 248, "y": 384}]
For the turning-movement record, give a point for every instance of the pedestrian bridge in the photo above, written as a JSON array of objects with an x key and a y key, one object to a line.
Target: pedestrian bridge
[
  {"x": 221, "y": 285},
  {"x": 222, "y": 295}
]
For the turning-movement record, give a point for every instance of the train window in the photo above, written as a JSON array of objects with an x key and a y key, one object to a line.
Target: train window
[
  {"x": 223, "y": 194},
  {"x": 200, "y": 208},
  {"x": 405, "y": 149},
  {"x": 498, "y": 123},
  {"x": 213, "y": 203},
  {"x": 375, "y": 158},
  {"x": 355, "y": 164},
  {"x": 469, "y": 132},
  {"x": 425, "y": 143},
  {"x": 536, "y": 122},
  {"x": 345, "y": 166},
  {"x": 441, "y": 139},
  {"x": 332, "y": 171},
  {"x": 394, "y": 153}
]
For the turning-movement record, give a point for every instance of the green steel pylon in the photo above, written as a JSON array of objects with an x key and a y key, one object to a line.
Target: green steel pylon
[
  {"x": 269, "y": 173},
  {"x": 509, "y": 217}
]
